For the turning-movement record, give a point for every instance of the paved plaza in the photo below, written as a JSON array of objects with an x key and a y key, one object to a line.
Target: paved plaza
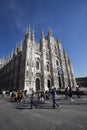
[{"x": 19, "y": 116}]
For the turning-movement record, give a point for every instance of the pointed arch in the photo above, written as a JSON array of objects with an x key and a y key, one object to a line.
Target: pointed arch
[
  {"x": 49, "y": 84},
  {"x": 37, "y": 84},
  {"x": 60, "y": 85}
]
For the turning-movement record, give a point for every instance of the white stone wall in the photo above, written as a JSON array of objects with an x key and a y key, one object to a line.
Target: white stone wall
[{"x": 49, "y": 54}]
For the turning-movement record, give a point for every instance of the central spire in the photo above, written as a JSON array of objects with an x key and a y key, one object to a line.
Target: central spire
[
  {"x": 32, "y": 35},
  {"x": 28, "y": 32}
]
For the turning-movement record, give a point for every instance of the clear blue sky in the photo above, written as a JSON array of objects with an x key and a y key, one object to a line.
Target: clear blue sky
[{"x": 66, "y": 18}]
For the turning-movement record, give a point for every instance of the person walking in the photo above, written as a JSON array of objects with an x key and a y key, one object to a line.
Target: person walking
[
  {"x": 66, "y": 93},
  {"x": 70, "y": 95},
  {"x": 77, "y": 91},
  {"x": 32, "y": 102},
  {"x": 55, "y": 98}
]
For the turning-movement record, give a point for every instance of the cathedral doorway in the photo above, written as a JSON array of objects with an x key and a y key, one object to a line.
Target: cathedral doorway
[
  {"x": 60, "y": 83},
  {"x": 48, "y": 84},
  {"x": 37, "y": 84}
]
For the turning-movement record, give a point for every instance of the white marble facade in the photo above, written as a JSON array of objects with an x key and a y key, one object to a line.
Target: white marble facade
[{"x": 39, "y": 66}]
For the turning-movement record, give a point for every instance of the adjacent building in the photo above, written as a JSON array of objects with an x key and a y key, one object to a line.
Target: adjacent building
[
  {"x": 81, "y": 81},
  {"x": 37, "y": 66}
]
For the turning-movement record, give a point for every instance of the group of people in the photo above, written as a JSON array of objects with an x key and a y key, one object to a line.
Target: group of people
[
  {"x": 42, "y": 96},
  {"x": 69, "y": 93},
  {"x": 54, "y": 93},
  {"x": 17, "y": 95},
  {"x": 45, "y": 96}
]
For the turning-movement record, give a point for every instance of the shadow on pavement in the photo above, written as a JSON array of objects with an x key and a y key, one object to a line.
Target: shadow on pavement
[{"x": 38, "y": 105}]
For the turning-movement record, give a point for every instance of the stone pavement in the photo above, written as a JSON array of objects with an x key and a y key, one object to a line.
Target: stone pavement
[{"x": 18, "y": 116}]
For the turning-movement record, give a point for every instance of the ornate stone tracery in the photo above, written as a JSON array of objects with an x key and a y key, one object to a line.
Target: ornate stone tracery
[{"x": 37, "y": 65}]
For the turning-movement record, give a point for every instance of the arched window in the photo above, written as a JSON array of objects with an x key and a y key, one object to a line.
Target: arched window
[
  {"x": 48, "y": 83},
  {"x": 48, "y": 68},
  {"x": 37, "y": 84},
  {"x": 57, "y": 62},
  {"x": 37, "y": 65}
]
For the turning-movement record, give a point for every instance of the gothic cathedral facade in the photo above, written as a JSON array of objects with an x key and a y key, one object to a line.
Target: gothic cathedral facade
[{"x": 37, "y": 66}]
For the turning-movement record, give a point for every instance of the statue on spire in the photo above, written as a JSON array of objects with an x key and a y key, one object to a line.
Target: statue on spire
[
  {"x": 32, "y": 35},
  {"x": 49, "y": 33},
  {"x": 28, "y": 32},
  {"x": 42, "y": 34}
]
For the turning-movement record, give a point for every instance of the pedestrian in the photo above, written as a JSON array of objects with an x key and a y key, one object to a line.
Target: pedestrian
[
  {"x": 66, "y": 93},
  {"x": 3, "y": 93},
  {"x": 32, "y": 102},
  {"x": 77, "y": 91},
  {"x": 70, "y": 95},
  {"x": 46, "y": 95},
  {"x": 55, "y": 98},
  {"x": 42, "y": 96}
]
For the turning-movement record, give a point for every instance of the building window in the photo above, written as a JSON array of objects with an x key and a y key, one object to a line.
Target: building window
[
  {"x": 57, "y": 62},
  {"x": 48, "y": 68},
  {"x": 37, "y": 65},
  {"x": 37, "y": 84}
]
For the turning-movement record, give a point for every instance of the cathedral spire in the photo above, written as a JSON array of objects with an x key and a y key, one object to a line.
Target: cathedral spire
[
  {"x": 20, "y": 45},
  {"x": 12, "y": 51},
  {"x": 58, "y": 40},
  {"x": 49, "y": 32},
  {"x": 3, "y": 58},
  {"x": 69, "y": 60},
  {"x": 64, "y": 52},
  {"x": 9, "y": 56},
  {"x": 32, "y": 35},
  {"x": 28, "y": 32},
  {"x": 42, "y": 34}
]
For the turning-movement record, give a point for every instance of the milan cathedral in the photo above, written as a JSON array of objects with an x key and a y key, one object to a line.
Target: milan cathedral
[{"x": 37, "y": 66}]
